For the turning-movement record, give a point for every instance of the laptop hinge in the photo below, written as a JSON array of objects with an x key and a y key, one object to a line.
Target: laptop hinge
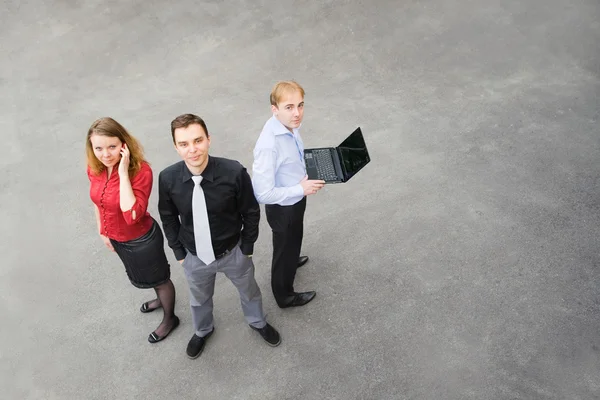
[{"x": 339, "y": 165}]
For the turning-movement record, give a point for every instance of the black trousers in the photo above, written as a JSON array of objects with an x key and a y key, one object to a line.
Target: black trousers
[{"x": 287, "y": 224}]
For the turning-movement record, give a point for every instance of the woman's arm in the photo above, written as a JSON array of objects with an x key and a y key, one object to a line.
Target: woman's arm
[
  {"x": 106, "y": 240},
  {"x": 98, "y": 219},
  {"x": 133, "y": 193},
  {"x": 126, "y": 196}
]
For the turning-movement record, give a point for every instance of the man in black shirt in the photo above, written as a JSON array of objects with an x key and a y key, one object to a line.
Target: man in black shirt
[{"x": 210, "y": 217}]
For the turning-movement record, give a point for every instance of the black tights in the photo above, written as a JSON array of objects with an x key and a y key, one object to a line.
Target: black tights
[{"x": 165, "y": 297}]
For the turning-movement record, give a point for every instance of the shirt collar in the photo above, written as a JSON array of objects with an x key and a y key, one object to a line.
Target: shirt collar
[
  {"x": 280, "y": 129},
  {"x": 207, "y": 174}
]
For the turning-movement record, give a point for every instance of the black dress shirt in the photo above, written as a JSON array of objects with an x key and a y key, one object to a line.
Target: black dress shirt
[{"x": 232, "y": 208}]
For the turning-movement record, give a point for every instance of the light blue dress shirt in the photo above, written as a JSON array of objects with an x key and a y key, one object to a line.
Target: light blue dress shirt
[{"x": 278, "y": 165}]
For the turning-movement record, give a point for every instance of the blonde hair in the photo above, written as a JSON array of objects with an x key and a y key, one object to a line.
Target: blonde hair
[
  {"x": 282, "y": 88},
  {"x": 109, "y": 127}
]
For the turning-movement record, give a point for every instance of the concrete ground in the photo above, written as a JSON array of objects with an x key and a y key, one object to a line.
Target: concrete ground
[{"x": 462, "y": 263}]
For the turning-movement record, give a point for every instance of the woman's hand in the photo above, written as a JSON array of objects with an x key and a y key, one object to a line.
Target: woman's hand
[
  {"x": 124, "y": 163},
  {"x": 107, "y": 242}
]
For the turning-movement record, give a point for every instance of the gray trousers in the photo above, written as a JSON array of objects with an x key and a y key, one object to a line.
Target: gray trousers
[{"x": 201, "y": 281}]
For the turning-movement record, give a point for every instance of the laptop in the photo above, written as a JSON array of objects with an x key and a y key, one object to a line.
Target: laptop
[{"x": 338, "y": 164}]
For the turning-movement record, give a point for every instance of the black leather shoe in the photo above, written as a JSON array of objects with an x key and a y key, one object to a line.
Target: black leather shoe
[
  {"x": 154, "y": 338},
  {"x": 302, "y": 260},
  {"x": 299, "y": 299},
  {"x": 196, "y": 345},
  {"x": 145, "y": 308},
  {"x": 270, "y": 335}
]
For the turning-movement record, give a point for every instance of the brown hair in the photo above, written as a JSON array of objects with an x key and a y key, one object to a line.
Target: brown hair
[
  {"x": 109, "y": 127},
  {"x": 282, "y": 88},
  {"x": 185, "y": 120}
]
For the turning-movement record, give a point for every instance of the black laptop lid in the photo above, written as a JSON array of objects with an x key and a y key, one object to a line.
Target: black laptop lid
[{"x": 353, "y": 154}]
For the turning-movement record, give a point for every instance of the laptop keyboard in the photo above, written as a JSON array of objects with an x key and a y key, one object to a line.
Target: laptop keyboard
[{"x": 325, "y": 166}]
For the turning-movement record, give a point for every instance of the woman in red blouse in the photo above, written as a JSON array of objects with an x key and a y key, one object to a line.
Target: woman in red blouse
[{"x": 121, "y": 183}]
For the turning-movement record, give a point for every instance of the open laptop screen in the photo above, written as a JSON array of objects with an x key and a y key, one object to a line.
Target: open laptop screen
[{"x": 353, "y": 153}]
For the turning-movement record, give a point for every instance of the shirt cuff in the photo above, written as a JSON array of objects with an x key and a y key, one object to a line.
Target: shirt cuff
[
  {"x": 180, "y": 253},
  {"x": 128, "y": 216},
  {"x": 247, "y": 248},
  {"x": 298, "y": 190}
]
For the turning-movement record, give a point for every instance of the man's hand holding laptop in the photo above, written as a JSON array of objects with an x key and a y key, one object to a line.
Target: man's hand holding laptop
[{"x": 311, "y": 186}]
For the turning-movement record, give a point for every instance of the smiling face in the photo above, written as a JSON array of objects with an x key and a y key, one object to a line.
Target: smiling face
[
  {"x": 192, "y": 144},
  {"x": 107, "y": 149},
  {"x": 290, "y": 110}
]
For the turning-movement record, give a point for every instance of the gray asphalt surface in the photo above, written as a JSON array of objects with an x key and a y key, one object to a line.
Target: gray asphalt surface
[{"x": 461, "y": 263}]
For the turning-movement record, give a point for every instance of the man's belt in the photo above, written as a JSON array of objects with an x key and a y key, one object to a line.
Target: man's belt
[{"x": 229, "y": 250}]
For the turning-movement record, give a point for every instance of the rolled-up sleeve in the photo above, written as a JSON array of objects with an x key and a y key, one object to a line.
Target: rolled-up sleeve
[
  {"x": 142, "y": 187},
  {"x": 263, "y": 179}
]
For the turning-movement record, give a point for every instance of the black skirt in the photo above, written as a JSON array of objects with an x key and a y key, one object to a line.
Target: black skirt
[{"x": 144, "y": 259}]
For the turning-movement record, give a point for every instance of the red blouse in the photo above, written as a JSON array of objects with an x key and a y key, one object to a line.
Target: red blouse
[{"x": 114, "y": 223}]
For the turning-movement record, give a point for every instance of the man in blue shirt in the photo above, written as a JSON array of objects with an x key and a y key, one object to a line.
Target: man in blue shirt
[{"x": 280, "y": 182}]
